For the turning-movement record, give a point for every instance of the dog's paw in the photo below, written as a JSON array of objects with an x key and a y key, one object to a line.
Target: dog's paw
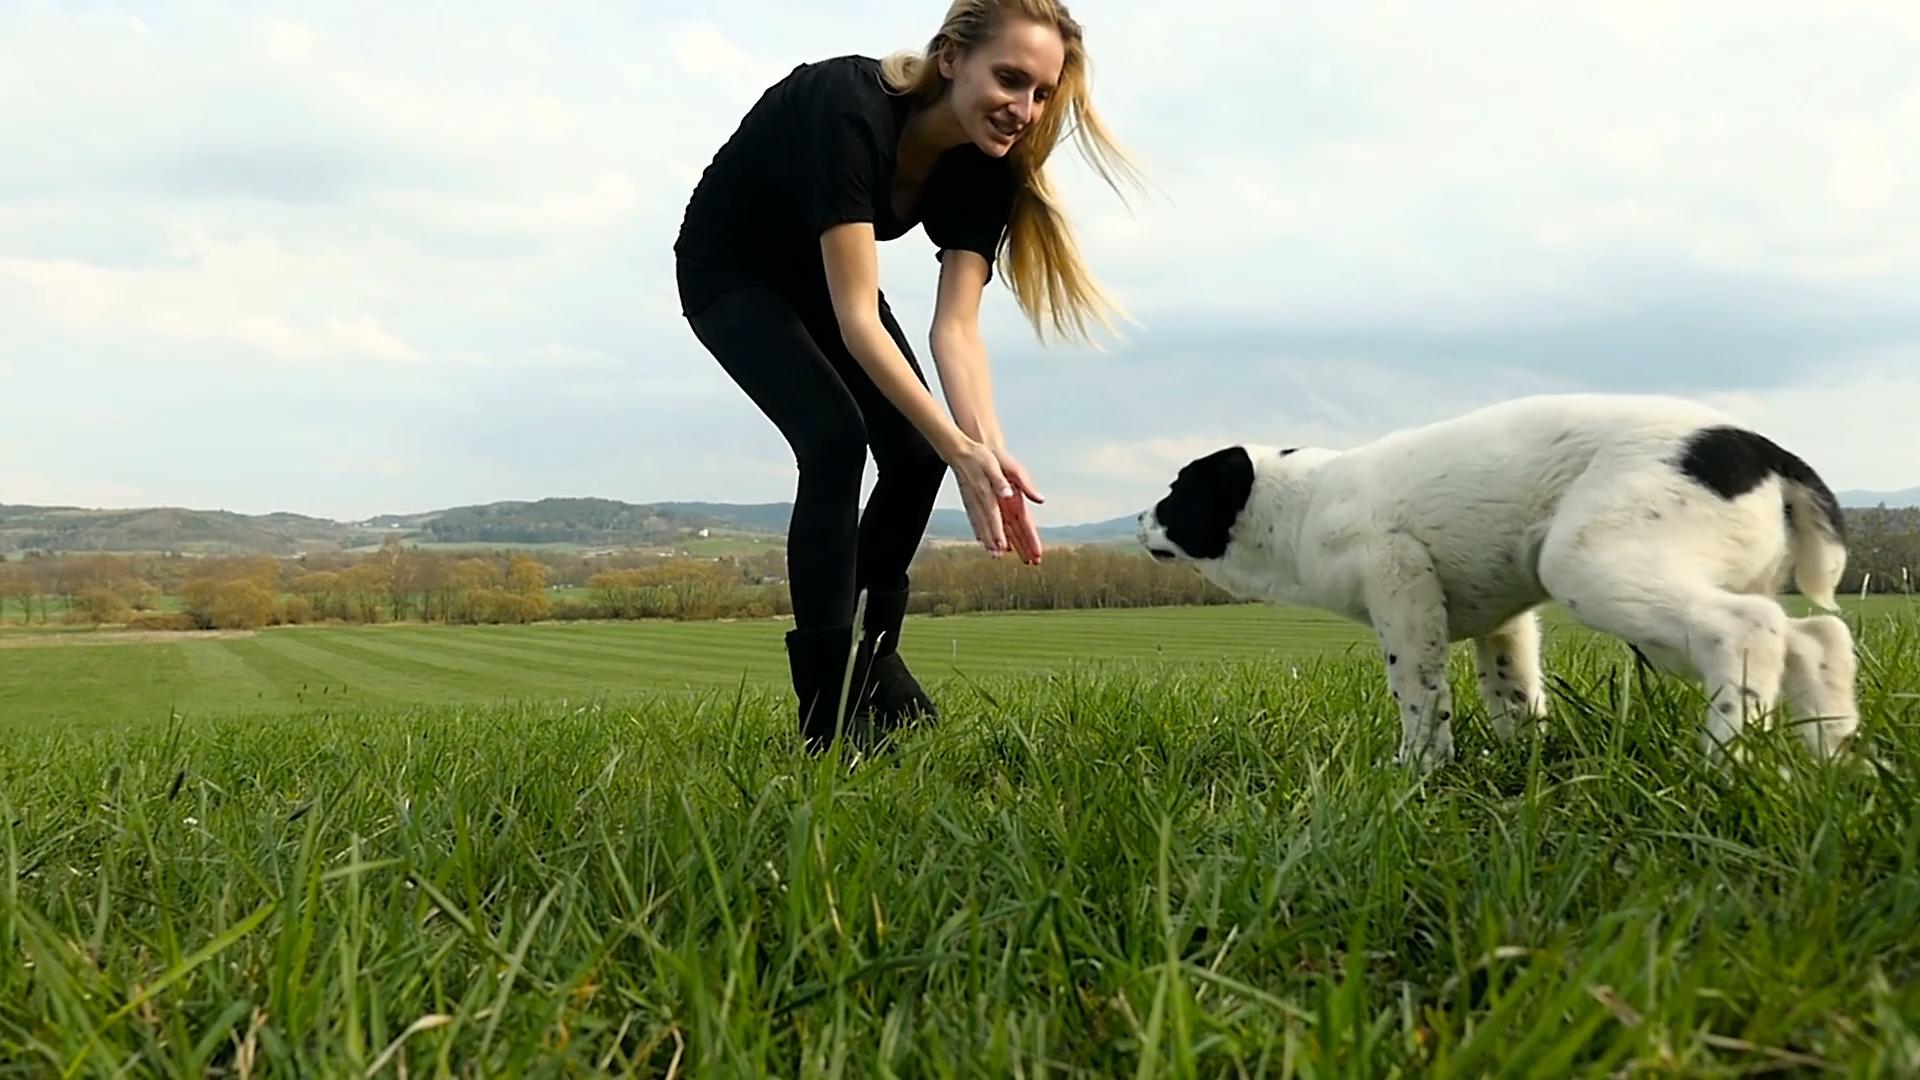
[{"x": 1425, "y": 758}]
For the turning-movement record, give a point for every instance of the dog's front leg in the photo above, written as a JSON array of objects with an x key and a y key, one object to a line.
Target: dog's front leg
[
  {"x": 1408, "y": 609},
  {"x": 1508, "y": 665}
]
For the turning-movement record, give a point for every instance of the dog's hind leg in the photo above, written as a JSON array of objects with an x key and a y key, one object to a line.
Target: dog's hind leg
[
  {"x": 1408, "y": 609},
  {"x": 1508, "y": 664},
  {"x": 1818, "y": 683},
  {"x": 1735, "y": 643}
]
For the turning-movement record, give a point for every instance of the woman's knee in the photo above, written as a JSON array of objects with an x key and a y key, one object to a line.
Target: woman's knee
[{"x": 833, "y": 445}]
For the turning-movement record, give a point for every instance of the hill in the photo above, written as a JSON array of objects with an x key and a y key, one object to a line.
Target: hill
[
  {"x": 1892, "y": 500},
  {"x": 169, "y": 528},
  {"x": 583, "y": 522}
]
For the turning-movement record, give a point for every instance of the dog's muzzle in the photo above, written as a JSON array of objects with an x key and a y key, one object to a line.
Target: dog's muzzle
[{"x": 1143, "y": 528}]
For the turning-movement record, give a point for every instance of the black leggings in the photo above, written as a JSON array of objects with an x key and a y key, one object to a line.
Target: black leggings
[{"x": 791, "y": 361}]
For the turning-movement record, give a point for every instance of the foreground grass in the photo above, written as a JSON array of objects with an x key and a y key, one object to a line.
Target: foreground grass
[{"x": 1142, "y": 871}]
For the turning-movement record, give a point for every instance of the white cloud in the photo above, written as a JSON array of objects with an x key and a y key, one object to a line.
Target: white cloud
[
  {"x": 452, "y": 238},
  {"x": 196, "y": 308},
  {"x": 1856, "y": 430}
]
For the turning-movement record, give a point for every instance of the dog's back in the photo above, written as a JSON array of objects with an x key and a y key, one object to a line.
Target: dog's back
[{"x": 1482, "y": 490}]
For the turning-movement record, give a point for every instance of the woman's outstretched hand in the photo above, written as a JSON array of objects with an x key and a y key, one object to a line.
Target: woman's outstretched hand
[
  {"x": 1018, "y": 524},
  {"x": 983, "y": 489},
  {"x": 995, "y": 488}
]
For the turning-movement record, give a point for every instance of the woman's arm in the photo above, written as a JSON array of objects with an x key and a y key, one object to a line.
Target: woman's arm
[
  {"x": 961, "y": 356},
  {"x": 852, "y": 267},
  {"x": 958, "y": 351}
]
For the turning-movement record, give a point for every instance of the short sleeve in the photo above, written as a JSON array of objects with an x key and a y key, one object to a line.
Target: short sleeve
[
  {"x": 840, "y": 168},
  {"x": 970, "y": 208}
]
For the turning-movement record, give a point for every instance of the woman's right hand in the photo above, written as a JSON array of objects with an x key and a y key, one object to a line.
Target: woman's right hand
[{"x": 982, "y": 486}]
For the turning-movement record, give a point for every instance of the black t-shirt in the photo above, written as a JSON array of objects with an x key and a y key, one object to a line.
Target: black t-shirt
[{"x": 815, "y": 151}]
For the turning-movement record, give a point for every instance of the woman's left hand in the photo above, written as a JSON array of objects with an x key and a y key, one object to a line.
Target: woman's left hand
[{"x": 1020, "y": 529}]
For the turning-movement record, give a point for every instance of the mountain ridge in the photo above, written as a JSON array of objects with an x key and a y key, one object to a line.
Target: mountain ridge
[{"x": 586, "y": 521}]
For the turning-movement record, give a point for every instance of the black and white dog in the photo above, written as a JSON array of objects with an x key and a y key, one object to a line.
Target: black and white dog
[{"x": 1661, "y": 521}]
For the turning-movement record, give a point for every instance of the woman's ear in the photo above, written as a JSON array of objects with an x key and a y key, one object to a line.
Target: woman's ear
[{"x": 947, "y": 58}]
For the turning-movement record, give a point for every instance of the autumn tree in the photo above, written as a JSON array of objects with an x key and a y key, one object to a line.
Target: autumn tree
[
  {"x": 95, "y": 605},
  {"x": 233, "y": 591},
  {"x": 16, "y": 586},
  {"x": 363, "y": 592}
]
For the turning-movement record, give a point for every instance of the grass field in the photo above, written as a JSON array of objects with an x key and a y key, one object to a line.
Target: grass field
[
  {"x": 87, "y": 681},
  {"x": 91, "y": 680},
  {"x": 493, "y": 851}
]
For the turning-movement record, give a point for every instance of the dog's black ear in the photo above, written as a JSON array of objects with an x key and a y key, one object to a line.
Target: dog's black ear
[{"x": 1205, "y": 500}]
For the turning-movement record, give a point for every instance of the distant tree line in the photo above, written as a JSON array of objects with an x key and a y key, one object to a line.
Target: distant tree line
[
  {"x": 402, "y": 584},
  {"x": 1883, "y": 550}
]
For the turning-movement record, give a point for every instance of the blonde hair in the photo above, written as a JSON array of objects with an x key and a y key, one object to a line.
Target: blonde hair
[{"x": 1040, "y": 262}]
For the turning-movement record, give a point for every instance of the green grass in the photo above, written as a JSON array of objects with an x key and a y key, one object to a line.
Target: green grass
[
  {"x": 103, "y": 684},
  {"x": 1123, "y": 868},
  {"x": 283, "y": 669}
]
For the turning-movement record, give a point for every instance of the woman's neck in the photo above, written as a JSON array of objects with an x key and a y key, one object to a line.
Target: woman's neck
[{"x": 931, "y": 130}]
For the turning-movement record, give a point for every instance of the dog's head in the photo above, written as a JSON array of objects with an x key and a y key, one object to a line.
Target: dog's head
[
  {"x": 1195, "y": 521},
  {"x": 1225, "y": 515}
]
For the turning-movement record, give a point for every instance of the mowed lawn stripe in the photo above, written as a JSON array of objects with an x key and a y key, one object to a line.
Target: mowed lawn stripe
[
  {"x": 376, "y": 680},
  {"x": 223, "y": 664},
  {"x": 653, "y": 644},
  {"x": 448, "y": 674},
  {"x": 500, "y": 672},
  {"x": 301, "y": 682},
  {"x": 1199, "y": 633},
  {"x": 641, "y": 661},
  {"x": 566, "y": 667},
  {"x": 653, "y": 662}
]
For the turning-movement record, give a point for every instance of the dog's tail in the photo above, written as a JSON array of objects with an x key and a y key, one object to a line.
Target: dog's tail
[
  {"x": 1816, "y": 526},
  {"x": 1816, "y": 531},
  {"x": 1733, "y": 461}
]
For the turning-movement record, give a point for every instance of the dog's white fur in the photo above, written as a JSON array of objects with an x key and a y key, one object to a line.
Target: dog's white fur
[{"x": 1459, "y": 530}]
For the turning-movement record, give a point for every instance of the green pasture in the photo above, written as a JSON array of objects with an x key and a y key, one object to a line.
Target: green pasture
[{"x": 102, "y": 679}]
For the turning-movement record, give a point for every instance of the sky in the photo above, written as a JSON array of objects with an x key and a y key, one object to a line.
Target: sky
[{"x": 361, "y": 258}]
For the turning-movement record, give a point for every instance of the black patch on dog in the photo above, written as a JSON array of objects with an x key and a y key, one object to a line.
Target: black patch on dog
[
  {"x": 1204, "y": 501},
  {"x": 1731, "y": 461}
]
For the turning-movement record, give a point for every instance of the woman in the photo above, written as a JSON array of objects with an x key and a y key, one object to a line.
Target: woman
[{"x": 776, "y": 268}]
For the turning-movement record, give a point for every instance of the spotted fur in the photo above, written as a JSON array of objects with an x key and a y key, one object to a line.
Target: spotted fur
[{"x": 1661, "y": 521}]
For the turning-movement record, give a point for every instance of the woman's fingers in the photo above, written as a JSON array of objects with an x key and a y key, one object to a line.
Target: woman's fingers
[
  {"x": 984, "y": 512},
  {"x": 1017, "y": 473},
  {"x": 1020, "y": 529}
]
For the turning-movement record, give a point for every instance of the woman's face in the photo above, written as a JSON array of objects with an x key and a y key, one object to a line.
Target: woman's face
[{"x": 1002, "y": 87}]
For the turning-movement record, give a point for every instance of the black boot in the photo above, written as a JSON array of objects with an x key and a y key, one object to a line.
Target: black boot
[
  {"x": 819, "y": 661},
  {"x": 896, "y": 697}
]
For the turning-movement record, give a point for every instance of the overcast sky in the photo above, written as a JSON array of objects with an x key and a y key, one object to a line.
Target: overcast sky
[{"x": 354, "y": 258}]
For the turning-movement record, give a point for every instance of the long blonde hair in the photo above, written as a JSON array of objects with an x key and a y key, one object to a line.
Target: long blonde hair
[{"x": 1040, "y": 262}]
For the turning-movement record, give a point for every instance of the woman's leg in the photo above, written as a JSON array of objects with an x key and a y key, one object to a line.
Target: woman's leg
[
  {"x": 910, "y": 473},
  {"x": 767, "y": 349},
  {"x": 763, "y": 345},
  {"x": 909, "y": 470}
]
